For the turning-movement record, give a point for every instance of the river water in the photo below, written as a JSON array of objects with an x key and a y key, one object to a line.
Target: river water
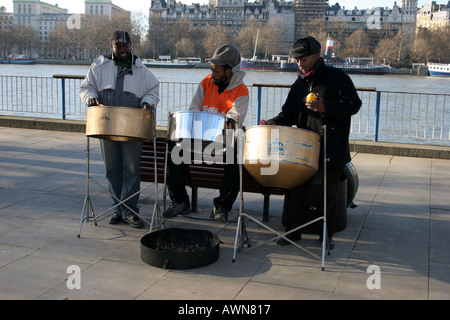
[
  {"x": 399, "y": 83},
  {"x": 408, "y": 115}
]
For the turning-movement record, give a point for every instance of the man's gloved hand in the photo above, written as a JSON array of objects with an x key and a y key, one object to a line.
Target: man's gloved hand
[
  {"x": 147, "y": 106},
  {"x": 93, "y": 102}
]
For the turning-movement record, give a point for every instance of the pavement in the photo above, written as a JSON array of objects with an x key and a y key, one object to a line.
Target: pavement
[{"x": 394, "y": 247}]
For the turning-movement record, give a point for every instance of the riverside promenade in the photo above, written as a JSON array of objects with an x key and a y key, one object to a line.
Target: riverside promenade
[{"x": 395, "y": 245}]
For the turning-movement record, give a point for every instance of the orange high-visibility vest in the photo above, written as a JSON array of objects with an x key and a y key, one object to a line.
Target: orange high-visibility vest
[{"x": 223, "y": 102}]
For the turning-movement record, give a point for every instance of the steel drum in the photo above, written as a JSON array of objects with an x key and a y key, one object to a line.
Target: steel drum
[
  {"x": 202, "y": 129},
  {"x": 282, "y": 157},
  {"x": 120, "y": 123}
]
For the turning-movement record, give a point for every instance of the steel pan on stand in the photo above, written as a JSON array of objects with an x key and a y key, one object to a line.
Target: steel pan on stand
[
  {"x": 202, "y": 136},
  {"x": 119, "y": 124},
  {"x": 282, "y": 157}
]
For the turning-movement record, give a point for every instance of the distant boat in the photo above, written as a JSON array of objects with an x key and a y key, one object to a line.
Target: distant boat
[
  {"x": 17, "y": 59},
  {"x": 354, "y": 65},
  {"x": 278, "y": 63},
  {"x": 438, "y": 69},
  {"x": 166, "y": 62},
  {"x": 357, "y": 65}
]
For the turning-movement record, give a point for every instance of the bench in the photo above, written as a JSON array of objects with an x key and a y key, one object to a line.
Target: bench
[{"x": 199, "y": 175}]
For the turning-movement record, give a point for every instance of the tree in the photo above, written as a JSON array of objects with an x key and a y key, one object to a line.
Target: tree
[
  {"x": 357, "y": 44},
  {"x": 215, "y": 36},
  {"x": 245, "y": 40},
  {"x": 185, "y": 47}
]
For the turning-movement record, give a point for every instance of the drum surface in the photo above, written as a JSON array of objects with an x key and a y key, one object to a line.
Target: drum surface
[
  {"x": 282, "y": 157},
  {"x": 120, "y": 123},
  {"x": 200, "y": 129}
]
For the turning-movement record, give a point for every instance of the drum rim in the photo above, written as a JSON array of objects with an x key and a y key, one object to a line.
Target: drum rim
[
  {"x": 278, "y": 126},
  {"x": 221, "y": 115}
]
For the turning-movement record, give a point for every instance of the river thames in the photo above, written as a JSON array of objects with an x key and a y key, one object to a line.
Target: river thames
[
  {"x": 399, "y": 83},
  {"x": 413, "y": 109}
]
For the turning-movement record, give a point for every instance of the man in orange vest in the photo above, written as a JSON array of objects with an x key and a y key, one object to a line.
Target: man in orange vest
[{"x": 221, "y": 92}]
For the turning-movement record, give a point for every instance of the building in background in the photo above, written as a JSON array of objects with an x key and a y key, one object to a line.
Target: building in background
[
  {"x": 6, "y": 19},
  {"x": 232, "y": 14},
  {"x": 434, "y": 16},
  {"x": 44, "y": 18}
]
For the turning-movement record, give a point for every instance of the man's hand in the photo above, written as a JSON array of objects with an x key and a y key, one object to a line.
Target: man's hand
[
  {"x": 316, "y": 106},
  {"x": 147, "y": 106},
  {"x": 267, "y": 123},
  {"x": 93, "y": 102}
]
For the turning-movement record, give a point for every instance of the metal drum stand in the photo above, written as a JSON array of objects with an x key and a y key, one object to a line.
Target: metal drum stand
[
  {"x": 242, "y": 240},
  {"x": 88, "y": 214}
]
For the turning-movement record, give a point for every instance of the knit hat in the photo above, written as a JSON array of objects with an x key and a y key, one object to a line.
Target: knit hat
[
  {"x": 120, "y": 36},
  {"x": 305, "y": 47},
  {"x": 226, "y": 55}
]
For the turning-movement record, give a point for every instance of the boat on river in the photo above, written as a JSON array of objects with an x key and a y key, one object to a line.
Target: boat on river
[
  {"x": 358, "y": 65},
  {"x": 278, "y": 63},
  {"x": 17, "y": 59},
  {"x": 167, "y": 62},
  {"x": 354, "y": 65},
  {"x": 438, "y": 69}
]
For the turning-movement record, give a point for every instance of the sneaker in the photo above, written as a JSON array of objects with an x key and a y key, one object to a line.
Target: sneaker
[
  {"x": 115, "y": 218},
  {"x": 175, "y": 209},
  {"x": 329, "y": 242},
  {"x": 219, "y": 213},
  {"x": 134, "y": 221}
]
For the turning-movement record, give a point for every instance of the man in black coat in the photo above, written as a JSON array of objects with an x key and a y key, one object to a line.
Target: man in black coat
[{"x": 337, "y": 101}]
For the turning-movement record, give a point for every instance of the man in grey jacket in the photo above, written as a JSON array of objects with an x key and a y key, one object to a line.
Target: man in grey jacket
[{"x": 121, "y": 79}]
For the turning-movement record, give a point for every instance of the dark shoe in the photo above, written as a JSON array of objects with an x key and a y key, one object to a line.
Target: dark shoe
[
  {"x": 292, "y": 237},
  {"x": 329, "y": 243},
  {"x": 175, "y": 209},
  {"x": 219, "y": 213},
  {"x": 115, "y": 218},
  {"x": 134, "y": 221}
]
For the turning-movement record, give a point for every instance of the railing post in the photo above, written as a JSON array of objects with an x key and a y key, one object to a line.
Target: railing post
[
  {"x": 63, "y": 87},
  {"x": 258, "y": 115},
  {"x": 377, "y": 115}
]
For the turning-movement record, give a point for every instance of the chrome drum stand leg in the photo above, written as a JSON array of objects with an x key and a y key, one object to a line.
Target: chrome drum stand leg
[
  {"x": 157, "y": 218},
  {"x": 87, "y": 206}
]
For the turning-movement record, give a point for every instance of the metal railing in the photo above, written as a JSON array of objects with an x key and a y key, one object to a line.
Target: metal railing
[{"x": 407, "y": 117}]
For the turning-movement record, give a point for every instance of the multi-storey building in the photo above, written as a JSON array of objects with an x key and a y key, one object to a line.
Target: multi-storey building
[
  {"x": 103, "y": 8},
  {"x": 44, "y": 17},
  {"x": 6, "y": 19},
  {"x": 376, "y": 18},
  {"x": 232, "y": 14},
  {"x": 434, "y": 16},
  {"x": 306, "y": 11},
  {"x": 40, "y": 16},
  {"x": 298, "y": 13}
]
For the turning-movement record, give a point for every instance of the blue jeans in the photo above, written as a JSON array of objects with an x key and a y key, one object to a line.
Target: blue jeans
[{"x": 123, "y": 171}]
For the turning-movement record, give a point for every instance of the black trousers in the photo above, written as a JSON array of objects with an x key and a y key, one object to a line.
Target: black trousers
[
  {"x": 228, "y": 192},
  {"x": 298, "y": 200}
]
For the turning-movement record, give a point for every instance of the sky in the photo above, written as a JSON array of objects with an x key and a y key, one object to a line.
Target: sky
[{"x": 77, "y": 6}]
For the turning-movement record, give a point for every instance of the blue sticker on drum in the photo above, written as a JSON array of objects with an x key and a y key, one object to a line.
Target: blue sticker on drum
[{"x": 277, "y": 147}]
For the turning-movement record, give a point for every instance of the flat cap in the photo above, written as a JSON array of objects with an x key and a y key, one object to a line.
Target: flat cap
[
  {"x": 305, "y": 47},
  {"x": 226, "y": 55},
  {"x": 120, "y": 36}
]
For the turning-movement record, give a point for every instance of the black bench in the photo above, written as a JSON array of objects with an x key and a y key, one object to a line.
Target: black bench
[{"x": 200, "y": 175}]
